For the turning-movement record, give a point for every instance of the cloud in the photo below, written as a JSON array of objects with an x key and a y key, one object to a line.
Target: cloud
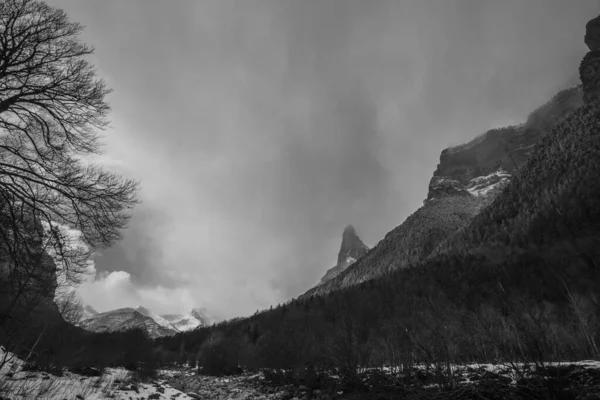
[
  {"x": 260, "y": 129},
  {"x": 111, "y": 290}
]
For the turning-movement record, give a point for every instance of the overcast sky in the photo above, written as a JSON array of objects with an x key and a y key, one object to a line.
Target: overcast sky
[{"x": 260, "y": 129}]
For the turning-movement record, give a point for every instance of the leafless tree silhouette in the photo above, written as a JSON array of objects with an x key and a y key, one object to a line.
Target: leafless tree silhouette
[{"x": 52, "y": 107}]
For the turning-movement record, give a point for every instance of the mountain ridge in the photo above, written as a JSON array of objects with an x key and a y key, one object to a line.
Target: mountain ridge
[
  {"x": 467, "y": 179},
  {"x": 155, "y": 325}
]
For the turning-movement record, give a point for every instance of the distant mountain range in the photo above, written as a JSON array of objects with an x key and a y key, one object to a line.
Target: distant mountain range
[{"x": 154, "y": 324}]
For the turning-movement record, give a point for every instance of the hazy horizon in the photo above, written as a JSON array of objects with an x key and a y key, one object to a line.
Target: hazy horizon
[{"x": 260, "y": 129}]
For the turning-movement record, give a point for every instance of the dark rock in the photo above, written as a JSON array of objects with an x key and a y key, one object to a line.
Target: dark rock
[
  {"x": 589, "y": 72},
  {"x": 505, "y": 149},
  {"x": 592, "y": 34},
  {"x": 351, "y": 250}
]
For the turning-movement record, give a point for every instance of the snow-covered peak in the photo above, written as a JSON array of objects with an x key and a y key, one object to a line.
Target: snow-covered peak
[
  {"x": 160, "y": 324},
  {"x": 187, "y": 322},
  {"x": 157, "y": 318}
]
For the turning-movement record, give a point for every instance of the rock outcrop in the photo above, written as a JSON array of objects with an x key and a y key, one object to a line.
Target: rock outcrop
[
  {"x": 589, "y": 69},
  {"x": 589, "y": 72},
  {"x": 484, "y": 166},
  {"x": 553, "y": 205},
  {"x": 592, "y": 34},
  {"x": 352, "y": 249}
]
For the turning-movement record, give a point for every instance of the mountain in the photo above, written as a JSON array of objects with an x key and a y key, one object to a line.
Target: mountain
[
  {"x": 88, "y": 312},
  {"x": 505, "y": 255},
  {"x": 485, "y": 165},
  {"x": 467, "y": 179},
  {"x": 352, "y": 249},
  {"x": 157, "y": 318},
  {"x": 196, "y": 318},
  {"x": 156, "y": 325},
  {"x": 124, "y": 319}
]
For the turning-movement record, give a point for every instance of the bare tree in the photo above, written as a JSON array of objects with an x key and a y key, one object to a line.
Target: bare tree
[
  {"x": 70, "y": 305},
  {"x": 52, "y": 107}
]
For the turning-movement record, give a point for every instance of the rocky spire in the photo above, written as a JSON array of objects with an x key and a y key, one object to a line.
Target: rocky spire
[
  {"x": 351, "y": 250},
  {"x": 589, "y": 69},
  {"x": 352, "y": 246}
]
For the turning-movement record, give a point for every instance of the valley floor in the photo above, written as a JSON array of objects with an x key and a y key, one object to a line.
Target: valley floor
[
  {"x": 19, "y": 383},
  {"x": 241, "y": 387}
]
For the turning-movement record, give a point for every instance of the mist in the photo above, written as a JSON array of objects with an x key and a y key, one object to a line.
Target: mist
[{"x": 259, "y": 129}]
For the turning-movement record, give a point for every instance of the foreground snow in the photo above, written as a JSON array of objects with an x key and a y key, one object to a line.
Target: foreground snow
[
  {"x": 16, "y": 383},
  {"x": 115, "y": 383}
]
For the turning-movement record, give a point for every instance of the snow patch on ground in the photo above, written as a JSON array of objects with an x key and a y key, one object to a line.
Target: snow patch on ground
[{"x": 114, "y": 383}]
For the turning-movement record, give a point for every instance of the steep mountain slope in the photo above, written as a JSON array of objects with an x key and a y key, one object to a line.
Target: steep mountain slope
[
  {"x": 124, "y": 319},
  {"x": 468, "y": 178},
  {"x": 352, "y": 249},
  {"x": 157, "y": 318},
  {"x": 488, "y": 161},
  {"x": 409, "y": 242},
  {"x": 552, "y": 199}
]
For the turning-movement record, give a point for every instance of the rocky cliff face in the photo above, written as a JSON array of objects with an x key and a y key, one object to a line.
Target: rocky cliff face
[
  {"x": 553, "y": 206},
  {"x": 352, "y": 249},
  {"x": 483, "y": 167},
  {"x": 468, "y": 178}
]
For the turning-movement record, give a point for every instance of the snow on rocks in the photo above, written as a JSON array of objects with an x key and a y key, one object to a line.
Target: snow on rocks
[{"x": 241, "y": 387}]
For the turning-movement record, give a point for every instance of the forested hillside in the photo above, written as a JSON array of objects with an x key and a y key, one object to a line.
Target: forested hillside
[{"x": 468, "y": 178}]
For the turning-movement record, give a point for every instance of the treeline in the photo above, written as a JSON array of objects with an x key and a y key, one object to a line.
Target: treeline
[
  {"x": 52, "y": 345},
  {"x": 455, "y": 309}
]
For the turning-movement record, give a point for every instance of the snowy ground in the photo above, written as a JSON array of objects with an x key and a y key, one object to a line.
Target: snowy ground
[
  {"x": 115, "y": 383},
  {"x": 118, "y": 384}
]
